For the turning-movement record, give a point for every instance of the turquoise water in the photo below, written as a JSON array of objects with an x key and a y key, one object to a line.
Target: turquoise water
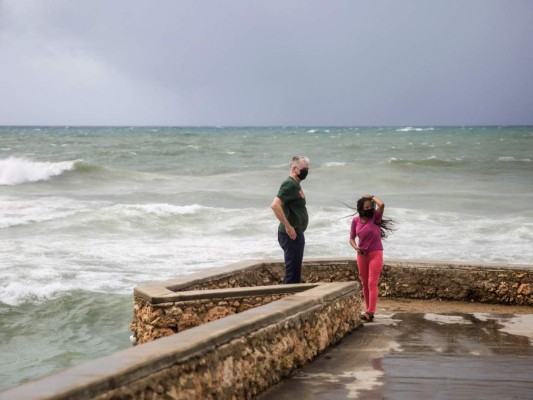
[{"x": 87, "y": 214}]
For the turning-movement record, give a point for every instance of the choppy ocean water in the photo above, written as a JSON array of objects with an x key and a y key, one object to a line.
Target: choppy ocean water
[{"x": 87, "y": 214}]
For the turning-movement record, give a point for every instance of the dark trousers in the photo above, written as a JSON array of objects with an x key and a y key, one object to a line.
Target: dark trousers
[{"x": 293, "y": 251}]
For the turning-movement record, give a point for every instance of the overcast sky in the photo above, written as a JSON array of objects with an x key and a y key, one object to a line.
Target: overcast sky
[{"x": 244, "y": 62}]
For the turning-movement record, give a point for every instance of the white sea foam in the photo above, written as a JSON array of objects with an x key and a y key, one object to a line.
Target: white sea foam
[
  {"x": 14, "y": 170},
  {"x": 22, "y": 291},
  {"x": 459, "y": 237},
  {"x": 160, "y": 209},
  {"x": 513, "y": 159},
  {"x": 334, "y": 164},
  {"x": 16, "y": 212},
  {"x": 85, "y": 251},
  {"x": 28, "y": 213},
  {"x": 111, "y": 248},
  {"x": 411, "y": 129}
]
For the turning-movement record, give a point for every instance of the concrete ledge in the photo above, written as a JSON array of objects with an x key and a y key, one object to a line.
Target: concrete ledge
[{"x": 171, "y": 296}]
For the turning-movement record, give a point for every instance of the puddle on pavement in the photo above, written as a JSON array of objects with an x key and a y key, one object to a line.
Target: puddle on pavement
[
  {"x": 423, "y": 356},
  {"x": 460, "y": 356},
  {"x": 462, "y": 334}
]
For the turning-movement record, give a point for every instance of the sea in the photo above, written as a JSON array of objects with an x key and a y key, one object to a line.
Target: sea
[{"x": 89, "y": 213}]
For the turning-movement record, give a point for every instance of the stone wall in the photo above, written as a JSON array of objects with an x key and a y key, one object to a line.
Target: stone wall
[
  {"x": 512, "y": 285},
  {"x": 484, "y": 283},
  {"x": 155, "y": 321},
  {"x": 251, "y": 363}
]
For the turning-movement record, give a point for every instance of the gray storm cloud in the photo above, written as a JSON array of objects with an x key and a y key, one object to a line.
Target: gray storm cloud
[{"x": 266, "y": 63}]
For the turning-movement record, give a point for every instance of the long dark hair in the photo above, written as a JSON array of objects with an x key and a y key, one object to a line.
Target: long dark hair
[{"x": 386, "y": 226}]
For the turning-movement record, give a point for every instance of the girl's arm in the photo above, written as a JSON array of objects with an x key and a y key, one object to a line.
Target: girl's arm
[
  {"x": 379, "y": 203},
  {"x": 353, "y": 234},
  {"x": 355, "y": 246}
]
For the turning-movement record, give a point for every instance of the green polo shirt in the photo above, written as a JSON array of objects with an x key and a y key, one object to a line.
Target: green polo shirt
[{"x": 293, "y": 198}]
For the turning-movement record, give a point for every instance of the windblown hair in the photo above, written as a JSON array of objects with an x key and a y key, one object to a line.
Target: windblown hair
[{"x": 386, "y": 226}]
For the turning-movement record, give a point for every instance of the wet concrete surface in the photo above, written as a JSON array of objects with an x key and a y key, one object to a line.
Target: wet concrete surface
[{"x": 410, "y": 356}]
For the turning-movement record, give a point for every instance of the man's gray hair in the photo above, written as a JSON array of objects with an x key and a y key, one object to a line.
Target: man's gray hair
[{"x": 296, "y": 159}]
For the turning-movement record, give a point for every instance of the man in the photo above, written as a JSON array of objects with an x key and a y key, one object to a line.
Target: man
[{"x": 289, "y": 208}]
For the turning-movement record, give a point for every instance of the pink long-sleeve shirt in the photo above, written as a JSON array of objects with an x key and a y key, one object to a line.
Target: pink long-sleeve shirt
[{"x": 369, "y": 232}]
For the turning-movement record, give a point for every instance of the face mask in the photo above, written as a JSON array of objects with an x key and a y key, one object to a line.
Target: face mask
[
  {"x": 367, "y": 213},
  {"x": 303, "y": 174}
]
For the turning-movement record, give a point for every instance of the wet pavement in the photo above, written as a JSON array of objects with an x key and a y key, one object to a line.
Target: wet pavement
[{"x": 422, "y": 356}]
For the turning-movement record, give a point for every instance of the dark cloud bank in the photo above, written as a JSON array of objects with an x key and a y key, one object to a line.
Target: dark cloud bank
[{"x": 266, "y": 63}]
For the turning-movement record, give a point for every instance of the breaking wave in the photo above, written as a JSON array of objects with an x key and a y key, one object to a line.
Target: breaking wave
[{"x": 15, "y": 171}]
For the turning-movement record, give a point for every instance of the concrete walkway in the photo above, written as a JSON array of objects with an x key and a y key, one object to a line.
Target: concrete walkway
[{"x": 455, "y": 354}]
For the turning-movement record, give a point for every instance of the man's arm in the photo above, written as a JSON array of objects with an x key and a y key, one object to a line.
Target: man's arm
[{"x": 276, "y": 206}]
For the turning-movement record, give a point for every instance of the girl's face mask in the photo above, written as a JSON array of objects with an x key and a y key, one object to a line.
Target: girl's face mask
[{"x": 367, "y": 213}]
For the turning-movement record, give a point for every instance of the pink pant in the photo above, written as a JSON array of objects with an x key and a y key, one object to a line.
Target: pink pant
[{"x": 370, "y": 267}]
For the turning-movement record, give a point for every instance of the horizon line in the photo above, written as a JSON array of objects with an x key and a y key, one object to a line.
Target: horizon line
[{"x": 267, "y": 126}]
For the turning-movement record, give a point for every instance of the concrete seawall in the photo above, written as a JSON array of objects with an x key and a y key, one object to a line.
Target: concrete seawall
[{"x": 232, "y": 332}]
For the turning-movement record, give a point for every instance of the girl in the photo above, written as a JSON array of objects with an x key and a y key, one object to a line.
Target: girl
[{"x": 369, "y": 228}]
